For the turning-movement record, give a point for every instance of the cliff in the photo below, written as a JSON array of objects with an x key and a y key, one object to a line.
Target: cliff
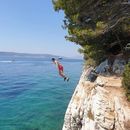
[
  {"x": 102, "y": 29},
  {"x": 99, "y": 105}
]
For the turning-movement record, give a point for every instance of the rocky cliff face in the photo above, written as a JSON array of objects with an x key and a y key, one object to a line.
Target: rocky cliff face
[{"x": 99, "y": 105}]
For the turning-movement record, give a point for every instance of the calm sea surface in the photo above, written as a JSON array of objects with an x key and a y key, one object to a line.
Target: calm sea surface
[{"x": 33, "y": 96}]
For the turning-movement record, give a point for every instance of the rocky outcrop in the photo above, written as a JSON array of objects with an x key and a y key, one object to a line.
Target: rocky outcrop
[{"x": 99, "y": 105}]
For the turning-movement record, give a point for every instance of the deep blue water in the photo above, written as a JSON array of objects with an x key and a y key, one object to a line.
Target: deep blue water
[{"x": 33, "y": 96}]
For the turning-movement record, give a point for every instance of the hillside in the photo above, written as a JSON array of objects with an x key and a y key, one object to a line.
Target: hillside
[{"x": 27, "y": 56}]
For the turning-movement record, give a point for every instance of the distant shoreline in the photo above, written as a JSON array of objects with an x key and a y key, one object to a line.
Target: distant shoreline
[{"x": 13, "y": 55}]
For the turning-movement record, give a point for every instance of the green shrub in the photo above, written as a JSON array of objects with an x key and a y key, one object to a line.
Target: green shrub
[
  {"x": 90, "y": 62},
  {"x": 126, "y": 80}
]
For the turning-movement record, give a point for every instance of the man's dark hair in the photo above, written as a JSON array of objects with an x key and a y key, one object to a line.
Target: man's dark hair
[{"x": 53, "y": 59}]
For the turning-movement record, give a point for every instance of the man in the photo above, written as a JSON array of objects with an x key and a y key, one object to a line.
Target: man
[{"x": 60, "y": 69}]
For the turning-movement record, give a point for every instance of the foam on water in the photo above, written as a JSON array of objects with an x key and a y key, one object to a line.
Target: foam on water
[{"x": 6, "y": 61}]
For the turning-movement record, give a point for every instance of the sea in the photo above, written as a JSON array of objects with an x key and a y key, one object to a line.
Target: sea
[{"x": 32, "y": 94}]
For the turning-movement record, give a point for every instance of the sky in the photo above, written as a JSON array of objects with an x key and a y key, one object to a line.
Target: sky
[{"x": 32, "y": 26}]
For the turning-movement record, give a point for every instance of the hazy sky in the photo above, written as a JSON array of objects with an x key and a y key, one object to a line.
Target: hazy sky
[{"x": 33, "y": 26}]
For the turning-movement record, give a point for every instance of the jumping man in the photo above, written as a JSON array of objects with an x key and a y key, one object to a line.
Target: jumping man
[{"x": 60, "y": 69}]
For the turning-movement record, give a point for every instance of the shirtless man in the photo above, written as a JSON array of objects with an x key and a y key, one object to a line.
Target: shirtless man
[{"x": 60, "y": 69}]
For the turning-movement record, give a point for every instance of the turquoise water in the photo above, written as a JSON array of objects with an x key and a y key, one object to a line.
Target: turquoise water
[{"x": 33, "y": 96}]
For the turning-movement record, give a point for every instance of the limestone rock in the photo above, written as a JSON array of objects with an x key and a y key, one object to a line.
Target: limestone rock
[{"x": 98, "y": 106}]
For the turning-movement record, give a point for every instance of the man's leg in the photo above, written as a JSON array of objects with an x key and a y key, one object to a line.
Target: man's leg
[{"x": 61, "y": 73}]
